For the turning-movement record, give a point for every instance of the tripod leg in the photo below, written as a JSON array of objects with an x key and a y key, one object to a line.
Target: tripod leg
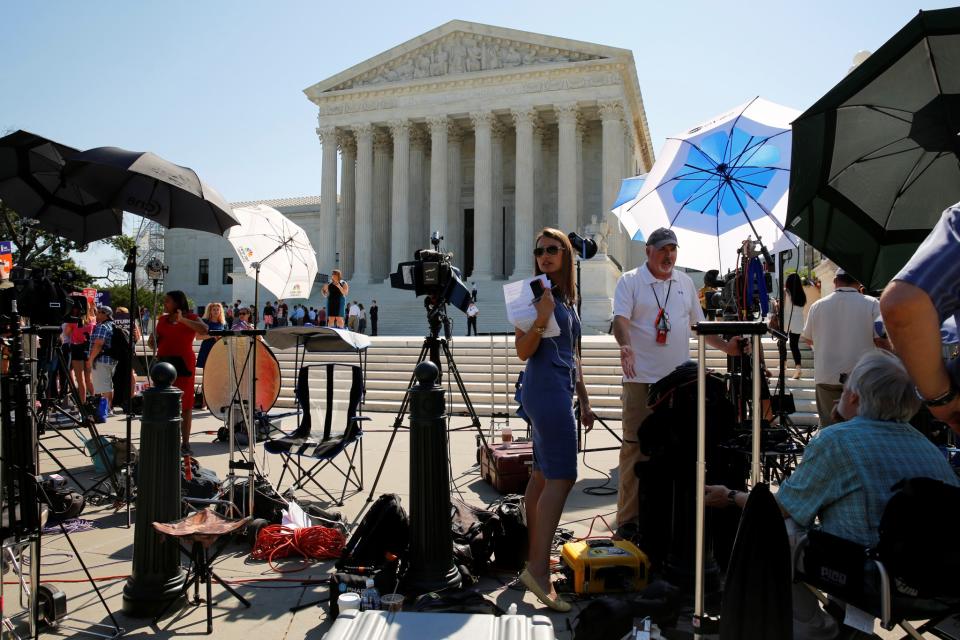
[
  {"x": 93, "y": 583},
  {"x": 455, "y": 372},
  {"x": 230, "y": 589}
]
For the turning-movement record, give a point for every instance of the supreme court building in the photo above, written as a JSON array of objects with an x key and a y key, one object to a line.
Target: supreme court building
[{"x": 483, "y": 133}]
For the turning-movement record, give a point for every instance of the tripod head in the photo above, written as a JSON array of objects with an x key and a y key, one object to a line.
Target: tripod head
[{"x": 437, "y": 316}]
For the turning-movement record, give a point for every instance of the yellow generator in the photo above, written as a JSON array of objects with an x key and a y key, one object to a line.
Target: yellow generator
[{"x": 605, "y": 566}]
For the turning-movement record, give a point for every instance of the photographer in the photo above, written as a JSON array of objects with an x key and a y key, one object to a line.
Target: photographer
[
  {"x": 551, "y": 375},
  {"x": 915, "y": 304},
  {"x": 336, "y": 292}
]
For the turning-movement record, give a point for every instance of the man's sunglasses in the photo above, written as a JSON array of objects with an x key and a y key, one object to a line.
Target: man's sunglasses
[{"x": 552, "y": 250}]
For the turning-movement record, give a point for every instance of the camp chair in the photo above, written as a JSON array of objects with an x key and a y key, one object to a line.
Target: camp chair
[
  {"x": 897, "y": 581},
  {"x": 341, "y": 386}
]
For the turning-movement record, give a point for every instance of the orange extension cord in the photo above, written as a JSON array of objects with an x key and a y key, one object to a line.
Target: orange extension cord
[{"x": 317, "y": 543}]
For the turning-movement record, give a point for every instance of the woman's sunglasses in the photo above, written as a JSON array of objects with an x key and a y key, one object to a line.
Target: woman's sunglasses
[
  {"x": 244, "y": 313},
  {"x": 552, "y": 250}
]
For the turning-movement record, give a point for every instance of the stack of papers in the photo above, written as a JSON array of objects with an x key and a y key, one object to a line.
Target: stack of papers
[{"x": 520, "y": 310}]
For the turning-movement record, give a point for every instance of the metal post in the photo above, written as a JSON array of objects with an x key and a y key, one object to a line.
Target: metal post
[
  {"x": 431, "y": 549},
  {"x": 156, "y": 577},
  {"x": 698, "y": 611},
  {"x": 756, "y": 414}
]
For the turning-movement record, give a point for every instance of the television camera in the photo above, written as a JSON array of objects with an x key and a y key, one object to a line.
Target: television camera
[{"x": 432, "y": 274}]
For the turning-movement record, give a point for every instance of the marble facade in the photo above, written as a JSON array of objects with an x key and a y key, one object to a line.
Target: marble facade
[{"x": 484, "y": 134}]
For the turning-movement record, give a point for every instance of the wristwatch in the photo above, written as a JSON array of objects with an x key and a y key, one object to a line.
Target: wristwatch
[
  {"x": 539, "y": 330},
  {"x": 732, "y": 497},
  {"x": 944, "y": 398}
]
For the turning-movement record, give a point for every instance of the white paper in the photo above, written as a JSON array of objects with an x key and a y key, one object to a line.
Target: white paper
[
  {"x": 294, "y": 517},
  {"x": 520, "y": 310},
  {"x": 859, "y": 620}
]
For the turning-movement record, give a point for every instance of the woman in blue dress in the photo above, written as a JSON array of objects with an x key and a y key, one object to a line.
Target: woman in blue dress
[{"x": 551, "y": 377}]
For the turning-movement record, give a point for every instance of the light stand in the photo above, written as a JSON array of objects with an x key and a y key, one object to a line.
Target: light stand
[
  {"x": 131, "y": 268},
  {"x": 156, "y": 271}
]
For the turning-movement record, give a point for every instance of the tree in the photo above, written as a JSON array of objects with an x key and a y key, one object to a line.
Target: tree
[{"x": 34, "y": 248}]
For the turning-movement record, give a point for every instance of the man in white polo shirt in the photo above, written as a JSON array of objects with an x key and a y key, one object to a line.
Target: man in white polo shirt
[
  {"x": 840, "y": 328},
  {"x": 654, "y": 306}
]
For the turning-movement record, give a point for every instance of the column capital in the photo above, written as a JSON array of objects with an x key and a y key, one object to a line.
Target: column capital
[
  {"x": 363, "y": 131},
  {"x": 381, "y": 140},
  {"x": 418, "y": 136},
  {"x": 567, "y": 113},
  {"x": 327, "y": 135},
  {"x": 346, "y": 142},
  {"x": 610, "y": 110},
  {"x": 524, "y": 116},
  {"x": 454, "y": 133},
  {"x": 482, "y": 119},
  {"x": 399, "y": 127},
  {"x": 497, "y": 129},
  {"x": 437, "y": 123}
]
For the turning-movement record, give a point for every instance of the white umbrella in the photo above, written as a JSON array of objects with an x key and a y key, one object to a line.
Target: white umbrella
[
  {"x": 274, "y": 251},
  {"x": 717, "y": 184}
]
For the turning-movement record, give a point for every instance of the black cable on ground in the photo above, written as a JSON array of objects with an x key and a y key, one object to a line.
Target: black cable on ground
[{"x": 603, "y": 489}]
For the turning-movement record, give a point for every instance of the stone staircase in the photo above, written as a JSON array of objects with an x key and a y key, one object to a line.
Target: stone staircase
[{"x": 487, "y": 370}]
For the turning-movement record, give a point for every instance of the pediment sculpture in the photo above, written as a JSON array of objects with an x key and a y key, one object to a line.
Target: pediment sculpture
[{"x": 462, "y": 53}]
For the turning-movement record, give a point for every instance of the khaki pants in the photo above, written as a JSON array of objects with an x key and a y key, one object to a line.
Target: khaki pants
[
  {"x": 828, "y": 395},
  {"x": 635, "y": 410}
]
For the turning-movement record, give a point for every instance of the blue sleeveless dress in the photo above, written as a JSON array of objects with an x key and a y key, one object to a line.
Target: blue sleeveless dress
[{"x": 549, "y": 382}]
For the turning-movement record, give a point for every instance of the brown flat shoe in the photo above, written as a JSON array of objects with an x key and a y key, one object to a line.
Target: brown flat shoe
[{"x": 558, "y": 604}]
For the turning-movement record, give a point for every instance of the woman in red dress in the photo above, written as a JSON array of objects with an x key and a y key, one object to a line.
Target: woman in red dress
[{"x": 175, "y": 332}]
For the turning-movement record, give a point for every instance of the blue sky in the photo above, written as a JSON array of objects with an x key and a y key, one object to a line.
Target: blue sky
[{"x": 217, "y": 85}]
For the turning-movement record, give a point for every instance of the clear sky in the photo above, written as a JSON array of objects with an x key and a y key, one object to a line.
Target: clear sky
[{"x": 217, "y": 85}]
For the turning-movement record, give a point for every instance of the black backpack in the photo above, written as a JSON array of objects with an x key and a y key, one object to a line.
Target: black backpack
[
  {"x": 384, "y": 530},
  {"x": 119, "y": 348}
]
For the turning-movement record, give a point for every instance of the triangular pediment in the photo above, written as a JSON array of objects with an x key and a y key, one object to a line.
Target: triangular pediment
[{"x": 458, "y": 48}]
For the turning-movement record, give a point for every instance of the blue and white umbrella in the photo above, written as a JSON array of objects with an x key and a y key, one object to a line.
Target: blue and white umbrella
[{"x": 718, "y": 184}]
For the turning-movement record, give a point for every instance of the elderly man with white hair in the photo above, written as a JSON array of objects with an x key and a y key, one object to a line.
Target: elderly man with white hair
[{"x": 848, "y": 471}]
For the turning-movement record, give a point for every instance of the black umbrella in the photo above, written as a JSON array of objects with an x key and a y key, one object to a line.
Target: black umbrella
[
  {"x": 875, "y": 161},
  {"x": 146, "y": 184},
  {"x": 32, "y": 184}
]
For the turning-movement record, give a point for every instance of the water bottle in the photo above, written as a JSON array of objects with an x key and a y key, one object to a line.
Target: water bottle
[
  {"x": 370, "y": 597},
  {"x": 103, "y": 409}
]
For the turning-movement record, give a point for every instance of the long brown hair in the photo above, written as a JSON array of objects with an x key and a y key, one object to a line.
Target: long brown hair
[{"x": 565, "y": 279}]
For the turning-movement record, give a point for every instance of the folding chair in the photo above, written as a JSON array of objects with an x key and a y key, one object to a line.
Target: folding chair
[
  {"x": 866, "y": 579},
  {"x": 342, "y": 432}
]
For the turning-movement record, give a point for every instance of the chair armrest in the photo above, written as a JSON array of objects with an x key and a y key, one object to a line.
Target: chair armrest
[{"x": 360, "y": 418}]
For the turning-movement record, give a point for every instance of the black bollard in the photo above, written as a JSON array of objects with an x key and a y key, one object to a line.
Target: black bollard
[
  {"x": 156, "y": 577},
  {"x": 431, "y": 545}
]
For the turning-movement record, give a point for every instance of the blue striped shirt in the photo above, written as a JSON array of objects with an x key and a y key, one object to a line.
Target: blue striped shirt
[
  {"x": 103, "y": 331},
  {"x": 935, "y": 267},
  {"x": 847, "y": 473}
]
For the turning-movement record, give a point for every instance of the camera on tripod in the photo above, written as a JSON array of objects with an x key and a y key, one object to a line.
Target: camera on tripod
[
  {"x": 432, "y": 273},
  {"x": 37, "y": 295}
]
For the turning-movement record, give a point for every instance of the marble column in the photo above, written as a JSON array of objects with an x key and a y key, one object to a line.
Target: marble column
[
  {"x": 400, "y": 238},
  {"x": 482, "y": 195},
  {"x": 454, "y": 186},
  {"x": 381, "y": 226},
  {"x": 363, "y": 252},
  {"x": 348, "y": 199},
  {"x": 524, "y": 121},
  {"x": 567, "y": 195},
  {"x": 438, "y": 177},
  {"x": 611, "y": 115},
  {"x": 419, "y": 216},
  {"x": 496, "y": 200},
  {"x": 327, "y": 249},
  {"x": 581, "y": 134},
  {"x": 539, "y": 181}
]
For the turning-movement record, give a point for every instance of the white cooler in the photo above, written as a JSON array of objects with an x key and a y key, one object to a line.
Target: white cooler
[{"x": 405, "y": 625}]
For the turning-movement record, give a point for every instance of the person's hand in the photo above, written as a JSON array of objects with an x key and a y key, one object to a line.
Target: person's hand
[
  {"x": 737, "y": 346},
  {"x": 716, "y": 496},
  {"x": 627, "y": 361},
  {"x": 545, "y": 308},
  {"x": 949, "y": 413},
  {"x": 587, "y": 416}
]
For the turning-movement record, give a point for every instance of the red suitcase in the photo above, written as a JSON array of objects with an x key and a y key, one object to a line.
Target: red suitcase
[{"x": 507, "y": 466}]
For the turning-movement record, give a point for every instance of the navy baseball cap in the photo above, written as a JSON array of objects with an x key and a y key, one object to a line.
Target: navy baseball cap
[{"x": 661, "y": 238}]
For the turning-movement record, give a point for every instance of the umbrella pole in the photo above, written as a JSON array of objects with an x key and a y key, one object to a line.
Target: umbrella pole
[
  {"x": 134, "y": 313},
  {"x": 251, "y": 425}
]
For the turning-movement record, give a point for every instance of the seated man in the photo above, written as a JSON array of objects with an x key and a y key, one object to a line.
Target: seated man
[{"x": 847, "y": 472}]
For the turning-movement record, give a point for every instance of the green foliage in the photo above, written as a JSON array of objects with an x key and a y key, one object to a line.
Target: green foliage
[
  {"x": 120, "y": 296},
  {"x": 37, "y": 249}
]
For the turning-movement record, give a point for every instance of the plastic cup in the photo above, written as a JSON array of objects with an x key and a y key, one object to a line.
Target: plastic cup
[
  {"x": 349, "y": 601},
  {"x": 506, "y": 434},
  {"x": 392, "y": 602}
]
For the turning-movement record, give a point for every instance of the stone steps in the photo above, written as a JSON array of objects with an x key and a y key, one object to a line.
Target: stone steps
[{"x": 390, "y": 362}]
